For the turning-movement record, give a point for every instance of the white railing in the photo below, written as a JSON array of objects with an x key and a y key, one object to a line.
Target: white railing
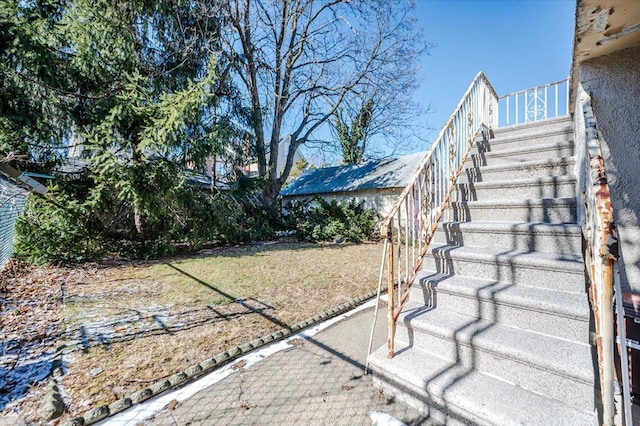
[
  {"x": 535, "y": 104},
  {"x": 595, "y": 215},
  {"x": 409, "y": 227}
]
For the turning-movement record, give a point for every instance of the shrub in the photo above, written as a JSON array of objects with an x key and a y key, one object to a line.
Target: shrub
[
  {"x": 48, "y": 233},
  {"x": 320, "y": 220},
  {"x": 88, "y": 222}
]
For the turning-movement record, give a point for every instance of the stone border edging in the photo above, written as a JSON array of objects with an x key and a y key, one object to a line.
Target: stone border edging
[
  {"x": 52, "y": 406},
  {"x": 194, "y": 371}
]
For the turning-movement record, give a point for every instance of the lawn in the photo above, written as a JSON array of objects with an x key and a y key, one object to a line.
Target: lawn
[{"x": 127, "y": 325}]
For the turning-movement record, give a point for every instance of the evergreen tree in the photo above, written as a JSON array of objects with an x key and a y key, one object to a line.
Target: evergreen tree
[
  {"x": 133, "y": 81},
  {"x": 35, "y": 91}
]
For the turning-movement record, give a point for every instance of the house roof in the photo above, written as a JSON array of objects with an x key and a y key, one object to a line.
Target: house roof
[{"x": 380, "y": 174}]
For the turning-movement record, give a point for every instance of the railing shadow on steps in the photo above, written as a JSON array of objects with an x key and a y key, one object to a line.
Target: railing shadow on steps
[
  {"x": 409, "y": 227},
  {"x": 596, "y": 218}
]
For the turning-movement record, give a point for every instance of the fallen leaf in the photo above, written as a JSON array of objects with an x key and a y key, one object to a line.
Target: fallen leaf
[
  {"x": 238, "y": 365},
  {"x": 172, "y": 405}
]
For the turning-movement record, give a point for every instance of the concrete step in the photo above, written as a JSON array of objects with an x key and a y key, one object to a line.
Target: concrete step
[
  {"x": 501, "y": 142},
  {"x": 538, "y": 127},
  {"x": 516, "y": 189},
  {"x": 543, "y": 237},
  {"x": 477, "y": 157},
  {"x": 559, "y": 368},
  {"x": 557, "y": 313},
  {"x": 496, "y": 330},
  {"x": 451, "y": 393},
  {"x": 547, "y": 210},
  {"x": 521, "y": 170},
  {"x": 533, "y": 269}
]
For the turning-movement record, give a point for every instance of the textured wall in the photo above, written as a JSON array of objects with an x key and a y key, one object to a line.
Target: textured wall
[
  {"x": 614, "y": 84},
  {"x": 381, "y": 200}
]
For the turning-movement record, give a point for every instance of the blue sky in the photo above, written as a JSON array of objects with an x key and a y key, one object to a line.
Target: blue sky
[{"x": 517, "y": 43}]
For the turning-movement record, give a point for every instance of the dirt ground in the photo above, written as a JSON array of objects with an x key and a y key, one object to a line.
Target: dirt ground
[
  {"x": 30, "y": 321},
  {"x": 125, "y": 325}
]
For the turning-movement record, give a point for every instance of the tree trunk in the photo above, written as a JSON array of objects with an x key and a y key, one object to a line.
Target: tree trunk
[
  {"x": 138, "y": 220},
  {"x": 270, "y": 192},
  {"x": 138, "y": 187}
]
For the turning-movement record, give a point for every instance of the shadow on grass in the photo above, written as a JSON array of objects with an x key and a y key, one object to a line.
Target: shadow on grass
[
  {"x": 242, "y": 302},
  {"x": 133, "y": 324},
  {"x": 257, "y": 249},
  {"x": 16, "y": 380}
]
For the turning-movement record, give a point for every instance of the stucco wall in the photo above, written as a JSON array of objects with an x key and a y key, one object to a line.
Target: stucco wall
[{"x": 614, "y": 84}]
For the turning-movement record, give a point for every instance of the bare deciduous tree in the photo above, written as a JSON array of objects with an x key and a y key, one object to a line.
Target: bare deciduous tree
[{"x": 297, "y": 61}]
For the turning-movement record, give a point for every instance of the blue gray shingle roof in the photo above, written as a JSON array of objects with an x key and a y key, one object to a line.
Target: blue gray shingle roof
[{"x": 380, "y": 174}]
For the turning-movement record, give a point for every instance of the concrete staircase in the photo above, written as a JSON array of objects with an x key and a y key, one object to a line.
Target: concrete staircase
[{"x": 496, "y": 330}]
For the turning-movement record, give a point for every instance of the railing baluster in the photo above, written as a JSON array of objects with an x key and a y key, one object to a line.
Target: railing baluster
[
  {"x": 399, "y": 254},
  {"x": 526, "y": 107},
  {"x": 420, "y": 201},
  {"x": 566, "y": 105},
  {"x": 406, "y": 240},
  {"x": 508, "y": 111},
  {"x": 390, "y": 305},
  {"x": 556, "y": 93},
  {"x": 398, "y": 248},
  {"x": 410, "y": 219}
]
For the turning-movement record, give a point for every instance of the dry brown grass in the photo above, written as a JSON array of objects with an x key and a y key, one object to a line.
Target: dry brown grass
[{"x": 130, "y": 325}]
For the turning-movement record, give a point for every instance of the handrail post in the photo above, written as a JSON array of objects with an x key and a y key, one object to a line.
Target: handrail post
[
  {"x": 390, "y": 281},
  {"x": 606, "y": 330}
]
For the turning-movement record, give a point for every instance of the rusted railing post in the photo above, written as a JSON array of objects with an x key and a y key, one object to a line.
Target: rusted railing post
[{"x": 390, "y": 281}]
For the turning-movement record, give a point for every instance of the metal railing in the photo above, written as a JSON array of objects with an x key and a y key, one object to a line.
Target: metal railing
[
  {"x": 535, "y": 104},
  {"x": 595, "y": 216},
  {"x": 409, "y": 227}
]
